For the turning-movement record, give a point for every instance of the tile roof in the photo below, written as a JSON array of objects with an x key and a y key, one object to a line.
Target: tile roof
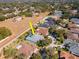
[
  {"x": 71, "y": 25},
  {"x": 72, "y": 36},
  {"x": 55, "y": 17},
  {"x": 26, "y": 49},
  {"x": 74, "y": 30},
  {"x": 67, "y": 55},
  {"x": 74, "y": 11},
  {"x": 42, "y": 30}
]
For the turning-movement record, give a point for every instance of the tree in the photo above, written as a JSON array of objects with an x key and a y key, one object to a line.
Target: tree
[
  {"x": 66, "y": 15},
  {"x": 19, "y": 56},
  {"x": 36, "y": 56},
  {"x": 2, "y": 18},
  {"x": 4, "y": 32},
  {"x": 9, "y": 52},
  {"x": 42, "y": 43},
  {"x": 26, "y": 13}
]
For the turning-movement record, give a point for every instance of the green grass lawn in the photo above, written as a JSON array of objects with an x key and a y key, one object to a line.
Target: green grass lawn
[{"x": 4, "y": 32}]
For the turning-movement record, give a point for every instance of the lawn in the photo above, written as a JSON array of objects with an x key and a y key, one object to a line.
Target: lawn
[
  {"x": 4, "y": 32},
  {"x": 24, "y": 35}
]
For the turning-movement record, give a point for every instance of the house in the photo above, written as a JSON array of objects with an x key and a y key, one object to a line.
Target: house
[
  {"x": 49, "y": 21},
  {"x": 73, "y": 33},
  {"x": 5, "y": 9},
  {"x": 55, "y": 17},
  {"x": 26, "y": 49},
  {"x": 72, "y": 36},
  {"x": 75, "y": 20},
  {"x": 44, "y": 25},
  {"x": 67, "y": 55},
  {"x": 71, "y": 25},
  {"x": 42, "y": 30},
  {"x": 18, "y": 18},
  {"x": 34, "y": 38},
  {"x": 58, "y": 13},
  {"x": 69, "y": 43},
  {"x": 16, "y": 12},
  {"x": 73, "y": 11},
  {"x": 8, "y": 14},
  {"x": 74, "y": 30},
  {"x": 72, "y": 46},
  {"x": 74, "y": 50}
]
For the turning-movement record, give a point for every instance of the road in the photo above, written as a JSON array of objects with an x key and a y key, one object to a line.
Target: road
[{"x": 18, "y": 28}]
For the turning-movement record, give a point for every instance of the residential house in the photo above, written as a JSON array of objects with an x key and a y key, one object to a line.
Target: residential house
[
  {"x": 72, "y": 46},
  {"x": 71, "y": 25},
  {"x": 67, "y": 55},
  {"x": 42, "y": 30},
  {"x": 58, "y": 13},
  {"x": 44, "y": 25},
  {"x": 48, "y": 22},
  {"x": 34, "y": 38},
  {"x": 5, "y": 9},
  {"x": 55, "y": 17},
  {"x": 72, "y": 36},
  {"x": 75, "y": 20},
  {"x": 73, "y": 11},
  {"x": 8, "y": 14},
  {"x": 26, "y": 49},
  {"x": 18, "y": 18},
  {"x": 74, "y": 30},
  {"x": 73, "y": 33}
]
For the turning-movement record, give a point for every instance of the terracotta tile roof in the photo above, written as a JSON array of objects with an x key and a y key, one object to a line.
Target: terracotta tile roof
[
  {"x": 27, "y": 49},
  {"x": 72, "y": 36},
  {"x": 42, "y": 30},
  {"x": 55, "y": 17},
  {"x": 74, "y": 30},
  {"x": 67, "y": 55},
  {"x": 71, "y": 25}
]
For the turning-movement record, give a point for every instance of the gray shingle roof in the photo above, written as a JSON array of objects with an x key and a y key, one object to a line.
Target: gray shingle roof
[
  {"x": 34, "y": 38},
  {"x": 74, "y": 50},
  {"x": 74, "y": 47},
  {"x": 75, "y": 20}
]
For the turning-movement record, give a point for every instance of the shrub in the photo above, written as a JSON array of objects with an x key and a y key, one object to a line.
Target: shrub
[
  {"x": 42, "y": 43},
  {"x": 2, "y": 18}
]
